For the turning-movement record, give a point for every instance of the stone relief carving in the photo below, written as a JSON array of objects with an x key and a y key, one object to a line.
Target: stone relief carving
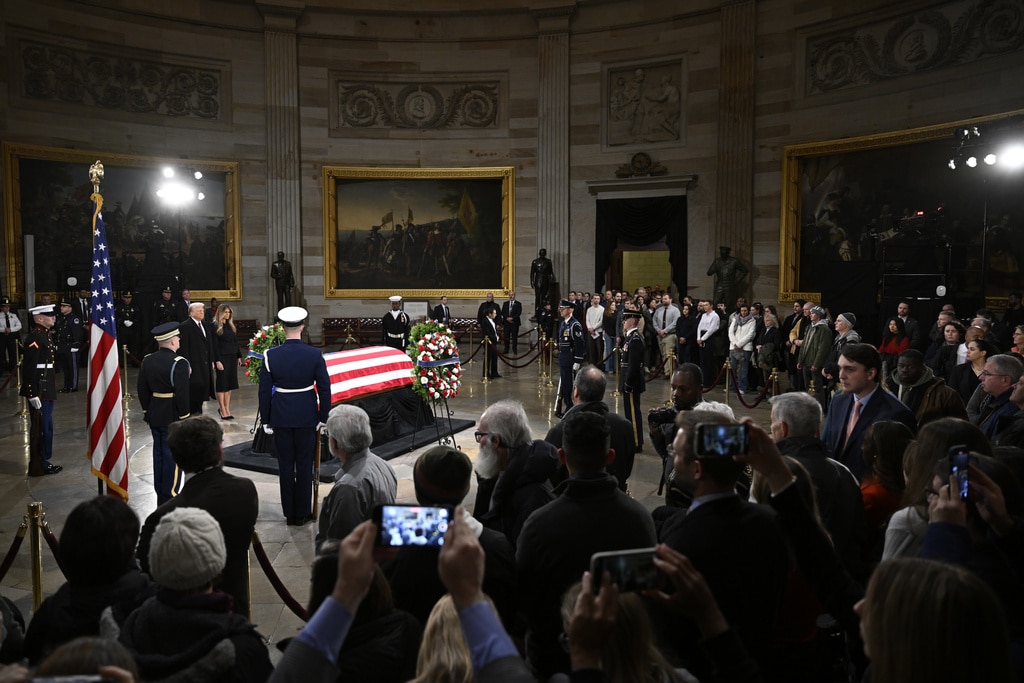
[
  {"x": 640, "y": 165},
  {"x": 432, "y": 105},
  {"x": 644, "y": 103},
  {"x": 951, "y": 34},
  {"x": 108, "y": 81}
]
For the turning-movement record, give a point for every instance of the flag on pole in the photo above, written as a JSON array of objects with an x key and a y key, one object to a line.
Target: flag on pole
[
  {"x": 467, "y": 213},
  {"x": 389, "y": 217},
  {"x": 409, "y": 220},
  {"x": 107, "y": 447}
]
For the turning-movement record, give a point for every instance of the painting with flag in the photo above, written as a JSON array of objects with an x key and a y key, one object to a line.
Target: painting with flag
[{"x": 107, "y": 447}]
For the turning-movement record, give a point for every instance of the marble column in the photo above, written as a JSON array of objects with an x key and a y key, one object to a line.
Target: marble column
[
  {"x": 735, "y": 171},
  {"x": 553, "y": 138},
  {"x": 284, "y": 226}
]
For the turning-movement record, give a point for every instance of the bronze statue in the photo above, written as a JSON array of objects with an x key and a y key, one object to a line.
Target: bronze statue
[
  {"x": 729, "y": 272},
  {"x": 284, "y": 280},
  {"x": 542, "y": 276}
]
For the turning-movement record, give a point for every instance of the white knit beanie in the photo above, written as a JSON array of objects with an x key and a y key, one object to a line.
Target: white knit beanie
[{"x": 187, "y": 550}]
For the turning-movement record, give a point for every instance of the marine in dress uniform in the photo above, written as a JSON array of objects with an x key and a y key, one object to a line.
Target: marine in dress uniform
[
  {"x": 295, "y": 399},
  {"x": 163, "y": 308},
  {"x": 163, "y": 390},
  {"x": 10, "y": 331},
  {"x": 68, "y": 336},
  {"x": 395, "y": 325},
  {"x": 128, "y": 319},
  {"x": 632, "y": 375},
  {"x": 572, "y": 348},
  {"x": 39, "y": 386}
]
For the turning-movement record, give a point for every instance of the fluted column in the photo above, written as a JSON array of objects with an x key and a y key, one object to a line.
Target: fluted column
[
  {"x": 553, "y": 136},
  {"x": 735, "y": 187},
  {"x": 284, "y": 227}
]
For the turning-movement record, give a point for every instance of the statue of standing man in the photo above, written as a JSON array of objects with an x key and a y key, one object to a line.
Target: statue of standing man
[
  {"x": 729, "y": 272},
  {"x": 284, "y": 280},
  {"x": 542, "y": 276}
]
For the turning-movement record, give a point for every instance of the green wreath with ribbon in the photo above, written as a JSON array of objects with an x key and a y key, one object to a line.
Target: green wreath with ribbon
[
  {"x": 437, "y": 371},
  {"x": 266, "y": 337}
]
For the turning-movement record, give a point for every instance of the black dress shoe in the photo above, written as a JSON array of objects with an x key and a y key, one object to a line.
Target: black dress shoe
[
  {"x": 290, "y": 521},
  {"x": 65, "y": 390},
  {"x": 306, "y": 520},
  {"x": 48, "y": 468}
]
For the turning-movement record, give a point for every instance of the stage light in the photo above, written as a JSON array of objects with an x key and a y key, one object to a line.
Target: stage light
[
  {"x": 972, "y": 161},
  {"x": 168, "y": 172},
  {"x": 952, "y": 164},
  {"x": 990, "y": 159},
  {"x": 198, "y": 175},
  {"x": 1012, "y": 157},
  {"x": 175, "y": 194},
  {"x": 201, "y": 196}
]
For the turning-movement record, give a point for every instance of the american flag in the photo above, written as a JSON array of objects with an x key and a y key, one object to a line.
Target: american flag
[
  {"x": 107, "y": 447},
  {"x": 368, "y": 370}
]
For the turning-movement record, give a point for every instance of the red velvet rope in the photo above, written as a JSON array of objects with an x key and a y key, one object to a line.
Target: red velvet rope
[
  {"x": 12, "y": 552},
  {"x": 275, "y": 580}
]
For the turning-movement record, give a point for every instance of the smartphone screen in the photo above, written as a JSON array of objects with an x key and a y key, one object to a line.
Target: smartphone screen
[
  {"x": 721, "y": 440},
  {"x": 959, "y": 459},
  {"x": 631, "y": 570},
  {"x": 399, "y": 526}
]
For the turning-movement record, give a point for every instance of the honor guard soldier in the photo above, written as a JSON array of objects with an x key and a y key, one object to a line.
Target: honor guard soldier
[
  {"x": 68, "y": 336},
  {"x": 163, "y": 390},
  {"x": 10, "y": 331},
  {"x": 39, "y": 386},
  {"x": 127, "y": 315},
  {"x": 572, "y": 347},
  {"x": 163, "y": 308},
  {"x": 632, "y": 374},
  {"x": 295, "y": 399},
  {"x": 395, "y": 325}
]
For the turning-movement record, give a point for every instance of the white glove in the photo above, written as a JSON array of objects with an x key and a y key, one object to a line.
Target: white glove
[
  {"x": 128, "y": 323},
  {"x": 267, "y": 429},
  {"x": 575, "y": 367},
  {"x": 74, "y": 350},
  {"x": 35, "y": 402},
  {"x": 320, "y": 426}
]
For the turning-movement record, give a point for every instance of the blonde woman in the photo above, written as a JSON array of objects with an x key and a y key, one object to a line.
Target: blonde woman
[
  {"x": 444, "y": 655},
  {"x": 229, "y": 359}
]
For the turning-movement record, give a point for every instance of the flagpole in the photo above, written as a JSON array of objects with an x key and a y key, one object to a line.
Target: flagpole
[{"x": 96, "y": 176}]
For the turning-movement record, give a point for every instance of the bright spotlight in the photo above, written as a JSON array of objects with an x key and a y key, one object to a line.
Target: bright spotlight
[
  {"x": 952, "y": 164},
  {"x": 990, "y": 159},
  {"x": 972, "y": 161},
  {"x": 201, "y": 196},
  {"x": 175, "y": 194},
  {"x": 168, "y": 172},
  {"x": 198, "y": 175},
  {"x": 1012, "y": 157}
]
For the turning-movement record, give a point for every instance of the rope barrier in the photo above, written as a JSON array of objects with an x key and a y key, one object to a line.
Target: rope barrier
[
  {"x": 721, "y": 373},
  {"x": 13, "y": 551},
  {"x": 9, "y": 378},
  {"x": 275, "y": 581},
  {"x": 51, "y": 540},
  {"x": 735, "y": 387},
  {"x": 657, "y": 371},
  {"x": 526, "y": 353}
]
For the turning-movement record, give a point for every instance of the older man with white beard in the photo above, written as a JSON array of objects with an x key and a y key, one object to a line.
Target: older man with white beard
[{"x": 513, "y": 470}]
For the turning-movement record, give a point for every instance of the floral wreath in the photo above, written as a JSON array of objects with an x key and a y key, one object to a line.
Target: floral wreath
[
  {"x": 437, "y": 374},
  {"x": 266, "y": 337}
]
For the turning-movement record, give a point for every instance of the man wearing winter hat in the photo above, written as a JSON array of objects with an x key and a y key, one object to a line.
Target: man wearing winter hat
[
  {"x": 846, "y": 335},
  {"x": 188, "y": 630},
  {"x": 441, "y": 476}
]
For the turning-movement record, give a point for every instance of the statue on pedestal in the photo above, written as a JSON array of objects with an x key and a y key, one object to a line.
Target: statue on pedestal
[
  {"x": 728, "y": 272},
  {"x": 542, "y": 275},
  {"x": 284, "y": 280}
]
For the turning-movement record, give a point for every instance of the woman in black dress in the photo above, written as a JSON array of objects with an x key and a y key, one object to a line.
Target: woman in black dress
[
  {"x": 966, "y": 377},
  {"x": 229, "y": 359},
  {"x": 686, "y": 334}
]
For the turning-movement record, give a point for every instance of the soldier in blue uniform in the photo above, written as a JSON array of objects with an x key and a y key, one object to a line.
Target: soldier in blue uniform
[
  {"x": 295, "y": 399},
  {"x": 128, "y": 319},
  {"x": 632, "y": 374},
  {"x": 68, "y": 337},
  {"x": 395, "y": 325},
  {"x": 39, "y": 386},
  {"x": 572, "y": 347},
  {"x": 163, "y": 390}
]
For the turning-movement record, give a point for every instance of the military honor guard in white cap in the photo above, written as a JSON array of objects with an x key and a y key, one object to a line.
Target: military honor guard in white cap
[
  {"x": 163, "y": 390},
  {"x": 295, "y": 398},
  {"x": 39, "y": 386},
  {"x": 68, "y": 338},
  {"x": 631, "y": 374},
  {"x": 572, "y": 348},
  {"x": 395, "y": 325},
  {"x": 10, "y": 332}
]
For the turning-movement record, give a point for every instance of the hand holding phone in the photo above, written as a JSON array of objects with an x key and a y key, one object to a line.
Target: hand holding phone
[
  {"x": 632, "y": 571},
  {"x": 721, "y": 440},
  {"x": 400, "y": 526},
  {"x": 959, "y": 463}
]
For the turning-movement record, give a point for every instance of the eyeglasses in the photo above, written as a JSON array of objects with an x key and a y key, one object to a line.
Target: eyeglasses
[
  {"x": 480, "y": 435},
  {"x": 986, "y": 373}
]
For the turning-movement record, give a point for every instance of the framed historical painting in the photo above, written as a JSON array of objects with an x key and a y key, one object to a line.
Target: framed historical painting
[
  {"x": 170, "y": 222},
  {"x": 418, "y": 232},
  {"x": 942, "y": 204}
]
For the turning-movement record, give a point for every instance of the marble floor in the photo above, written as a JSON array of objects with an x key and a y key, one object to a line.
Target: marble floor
[{"x": 290, "y": 549}]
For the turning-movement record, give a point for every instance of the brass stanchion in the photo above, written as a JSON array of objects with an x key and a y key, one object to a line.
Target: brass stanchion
[
  {"x": 812, "y": 389},
  {"x": 671, "y": 371},
  {"x": 774, "y": 379},
  {"x": 35, "y": 525},
  {"x": 551, "y": 362},
  {"x": 486, "y": 343},
  {"x": 728, "y": 368},
  {"x": 470, "y": 361},
  {"x": 24, "y": 401},
  {"x": 124, "y": 369},
  {"x": 541, "y": 360},
  {"x": 618, "y": 368}
]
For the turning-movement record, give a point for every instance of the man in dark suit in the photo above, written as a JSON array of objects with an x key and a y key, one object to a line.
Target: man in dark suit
[
  {"x": 197, "y": 348},
  {"x": 443, "y": 314},
  {"x": 738, "y": 546},
  {"x": 183, "y": 306},
  {"x": 195, "y": 445},
  {"x": 862, "y": 402},
  {"x": 588, "y": 397},
  {"x": 511, "y": 319},
  {"x": 163, "y": 390},
  {"x": 295, "y": 399}
]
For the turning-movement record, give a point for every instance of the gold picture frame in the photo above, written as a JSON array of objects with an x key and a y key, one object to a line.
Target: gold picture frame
[
  {"x": 803, "y": 164},
  {"x": 197, "y": 245},
  {"x": 418, "y": 232}
]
